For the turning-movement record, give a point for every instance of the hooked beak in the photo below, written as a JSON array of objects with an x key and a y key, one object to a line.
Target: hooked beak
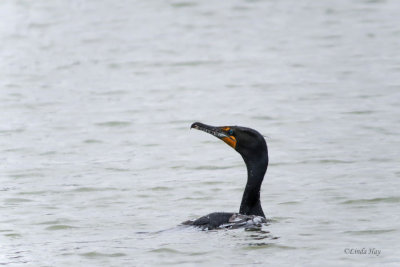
[{"x": 220, "y": 132}]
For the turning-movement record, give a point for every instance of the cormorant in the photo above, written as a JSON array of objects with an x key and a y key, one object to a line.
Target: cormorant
[{"x": 251, "y": 145}]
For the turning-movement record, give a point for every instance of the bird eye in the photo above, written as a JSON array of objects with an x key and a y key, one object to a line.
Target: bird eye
[{"x": 230, "y": 132}]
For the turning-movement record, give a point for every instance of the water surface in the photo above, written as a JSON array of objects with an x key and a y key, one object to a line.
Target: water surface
[{"x": 98, "y": 165}]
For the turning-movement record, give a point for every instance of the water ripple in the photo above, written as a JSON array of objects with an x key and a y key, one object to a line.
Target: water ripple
[
  {"x": 370, "y": 232},
  {"x": 373, "y": 200},
  {"x": 94, "y": 254},
  {"x": 114, "y": 124}
]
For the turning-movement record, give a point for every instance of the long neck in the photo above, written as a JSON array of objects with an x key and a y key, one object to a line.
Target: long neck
[{"x": 256, "y": 168}]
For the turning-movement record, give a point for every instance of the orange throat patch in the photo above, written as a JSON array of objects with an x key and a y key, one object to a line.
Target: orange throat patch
[{"x": 231, "y": 141}]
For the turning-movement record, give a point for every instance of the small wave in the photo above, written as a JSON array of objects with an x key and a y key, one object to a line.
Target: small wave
[
  {"x": 360, "y": 112},
  {"x": 373, "y": 200},
  {"x": 94, "y": 254},
  {"x": 212, "y": 167},
  {"x": 92, "y": 141},
  {"x": 183, "y": 4},
  {"x": 35, "y": 192},
  {"x": 58, "y": 221},
  {"x": 255, "y": 246},
  {"x": 13, "y": 235},
  {"x": 117, "y": 169},
  {"x": 165, "y": 250},
  {"x": 370, "y": 232},
  {"x": 17, "y": 200},
  {"x": 94, "y": 189},
  {"x": 289, "y": 203},
  {"x": 60, "y": 227},
  {"x": 160, "y": 188},
  {"x": 114, "y": 124}
]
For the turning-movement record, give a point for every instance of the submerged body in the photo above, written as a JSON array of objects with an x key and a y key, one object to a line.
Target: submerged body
[
  {"x": 227, "y": 220},
  {"x": 251, "y": 145}
]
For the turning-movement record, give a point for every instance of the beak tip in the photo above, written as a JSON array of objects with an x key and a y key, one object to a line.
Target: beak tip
[{"x": 194, "y": 125}]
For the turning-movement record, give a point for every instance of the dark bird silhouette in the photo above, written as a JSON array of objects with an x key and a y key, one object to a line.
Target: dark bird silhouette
[{"x": 251, "y": 145}]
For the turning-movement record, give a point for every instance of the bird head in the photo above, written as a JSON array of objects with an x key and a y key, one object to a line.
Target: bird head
[{"x": 246, "y": 141}]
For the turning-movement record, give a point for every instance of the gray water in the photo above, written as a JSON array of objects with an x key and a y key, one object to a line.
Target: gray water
[{"x": 98, "y": 165}]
